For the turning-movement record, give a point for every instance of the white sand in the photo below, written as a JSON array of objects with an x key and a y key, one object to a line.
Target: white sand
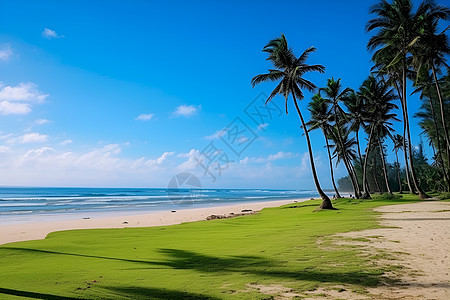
[{"x": 39, "y": 230}]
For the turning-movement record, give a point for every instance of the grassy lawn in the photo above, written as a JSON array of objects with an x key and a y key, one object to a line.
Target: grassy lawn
[{"x": 201, "y": 260}]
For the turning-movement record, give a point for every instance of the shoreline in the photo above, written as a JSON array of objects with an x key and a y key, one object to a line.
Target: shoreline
[{"x": 39, "y": 230}]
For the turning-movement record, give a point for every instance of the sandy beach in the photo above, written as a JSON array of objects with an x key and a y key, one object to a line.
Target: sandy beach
[{"x": 39, "y": 230}]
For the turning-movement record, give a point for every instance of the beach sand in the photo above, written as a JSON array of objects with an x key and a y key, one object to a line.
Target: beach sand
[
  {"x": 39, "y": 230},
  {"x": 419, "y": 240}
]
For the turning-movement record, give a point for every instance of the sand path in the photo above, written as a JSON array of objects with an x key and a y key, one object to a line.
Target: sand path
[{"x": 422, "y": 233}]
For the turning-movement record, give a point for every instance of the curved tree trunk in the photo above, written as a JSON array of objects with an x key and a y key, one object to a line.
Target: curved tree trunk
[
  {"x": 422, "y": 194},
  {"x": 438, "y": 139},
  {"x": 398, "y": 174},
  {"x": 405, "y": 141},
  {"x": 351, "y": 174},
  {"x": 366, "y": 194},
  {"x": 326, "y": 202},
  {"x": 364, "y": 188},
  {"x": 375, "y": 178},
  {"x": 444, "y": 123},
  {"x": 331, "y": 167},
  {"x": 383, "y": 164}
]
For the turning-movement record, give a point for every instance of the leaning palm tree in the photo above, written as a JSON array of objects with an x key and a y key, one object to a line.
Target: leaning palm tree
[
  {"x": 357, "y": 115},
  {"x": 343, "y": 147},
  {"x": 289, "y": 71},
  {"x": 334, "y": 93},
  {"x": 429, "y": 122},
  {"x": 430, "y": 52},
  {"x": 321, "y": 118},
  {"x": 379, "y": 97},
  {"x": 398, "y": 30}
]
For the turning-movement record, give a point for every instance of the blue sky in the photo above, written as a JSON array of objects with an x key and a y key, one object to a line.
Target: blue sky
[{"x": 129, "y": 93}]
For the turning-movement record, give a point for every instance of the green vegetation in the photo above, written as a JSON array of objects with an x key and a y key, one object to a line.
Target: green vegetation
[{"x": 217, "y": 259}]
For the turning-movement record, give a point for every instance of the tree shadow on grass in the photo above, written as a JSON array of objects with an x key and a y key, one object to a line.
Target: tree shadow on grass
[
  {"x": 137, "y": 292},
  {"x": 256, "y": 265},
  {"x": 34, "y": 295}
]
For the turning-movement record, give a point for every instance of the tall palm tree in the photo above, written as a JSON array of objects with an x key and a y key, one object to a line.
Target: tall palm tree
[
  {"x": 398, "y": 30},
  {"x": 430, "y": 125},
  {"x": 321, "y": 118},
  {"x": 334, "y": 94},
  {"x": 398, "y": 144},
  {"x": 289, "y": 71},
  {"x": 379, "y": 97},
  {"x": 357, "y": 115},
  {"x": 430, "y": 53}
]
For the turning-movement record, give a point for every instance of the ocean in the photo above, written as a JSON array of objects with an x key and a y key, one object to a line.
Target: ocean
[{"x": 30, "y": 204}]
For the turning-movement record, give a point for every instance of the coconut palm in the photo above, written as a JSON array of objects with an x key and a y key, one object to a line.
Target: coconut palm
[
  {"x": 398, "y": 29},
  {"x": 430, "y": 125},
  {"x": 343, "y": 146},
  {"x": 333, "y": 93},
  {"x": 321, "y": 118},
  {"x": 356, "y": 115},
  {"x": 289, "y": 71},
  {"x": 379, "y": 97},
  {"x": 392, "y": 73},
  {"x": 430, "y": 52}
]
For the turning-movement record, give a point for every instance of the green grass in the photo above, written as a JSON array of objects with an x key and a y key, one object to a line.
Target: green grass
[{"x": 200, "y": 260}]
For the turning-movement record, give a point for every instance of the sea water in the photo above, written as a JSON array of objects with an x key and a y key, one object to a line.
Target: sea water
[{"x": 27, "y": 204}]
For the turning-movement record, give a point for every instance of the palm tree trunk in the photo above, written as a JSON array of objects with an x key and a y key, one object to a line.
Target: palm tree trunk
[
  {"x": 331, "y": 166},
  {"x": 383, "y": 164},
  {"x": 366, "y": 194},
  {"x": 398, "y": 173},
  {"x": 375, "y": 178},
  {"x": 444, "y": 123},
  {"x": 405, "y": 140},
  {"x": 422, "y": 194},
  {"x": 438, "y": 139},
  {"x": 365, "y": 188},
  {"x": 353, "y": 178},
  {"x": 326, "y": 202}
]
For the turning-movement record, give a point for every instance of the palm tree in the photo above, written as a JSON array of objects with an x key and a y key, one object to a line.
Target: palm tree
[
  {"x": 429, "y": 123},
  {"x": 321, "y": 118},
  {"x": 357, "y": 116},
  {"x": 289, "y": 71},
  {"x": 343, "y": 146},
  {"x": 398, "y": 30},
  {"x": 398, "y": 144},
  {"x": 430, "y": 53},
  {"x": 334, "y": 94},
  {"x": 379, "y": 96}
]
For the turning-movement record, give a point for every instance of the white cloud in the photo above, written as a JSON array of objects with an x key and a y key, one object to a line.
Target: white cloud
[
  {"x": 66, "y": 142},
  {"x": 33, "y": 137},
  {"x": 192, "y": 161},
  {"x": 144, "y": 117},
  {"x": 186, "y": 110},
  {"x": 8, "y": 108},
  {"x": 215, "y": 135},
  {"x": 50, "y": 34},
  {"x": 42, "y": 121},
  {"x": 18, "y": 99},
  {"x": 6, "y": 52},
  {"x": 24, "y": 91}
]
